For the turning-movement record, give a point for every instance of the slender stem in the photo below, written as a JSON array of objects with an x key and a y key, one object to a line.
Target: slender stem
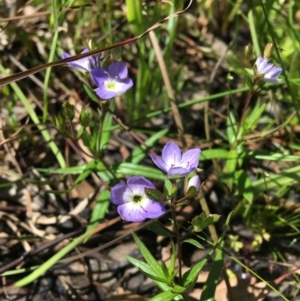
[
  {"x": 179, "y": 245},
  {"x": 248, "y": 98}
]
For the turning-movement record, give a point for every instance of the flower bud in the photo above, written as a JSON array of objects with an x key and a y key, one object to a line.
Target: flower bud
[
  {"x": 59, "y": 122},
  {"x": 91, "y": 44},
  {"x": 85, "y": 117},
  {"x": 248, "y": 52},
  {"x": 193, "y": 186},
  {"x": 68, "y": 111},
  {"x": 268, "y": 50}
]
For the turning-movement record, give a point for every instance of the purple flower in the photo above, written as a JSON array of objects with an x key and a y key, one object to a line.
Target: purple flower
[
  {"x": 85, "y": 64},
  {"x": 133, "y": 203},
  {"x": 113, "y": 81},
  {"x": 174, "y": 163},
  {"x": 269, "y": 71}
]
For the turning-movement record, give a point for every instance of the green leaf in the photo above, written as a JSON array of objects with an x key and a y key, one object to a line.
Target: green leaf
[
  {"x": 74, "y": 170},
  {"x": 212, "y": 281},
  {"x": 166, "y": 271},
  {"x": 87, "y": 170},
  {"x": 231, "y": 129},
  {"x": 210, "y": 154},
  {"x": 160, "y": 230},
  {"x": 140, "y": 152},
  {"x": 172, "y": 260},
  {"x": 90, "y": 93},
  {"x": 107, "y": 123},
  {"x": 191, "y": 275},
  {"x": 168, "y": 187},
  {"x": 244, "y": 185},
  {"x": 231, "y": 164},
  {"x": 90, "y": 167},
  {"x": 178, "y": 289},
  {"x": 135, "y": 16},
  {"x": 164, "y": 296},
  {"x": 284, "y": 178},
  {"x": 264, "y": 155},
  {"x": 130, "y": 169},
  {"x": 121, "y": 169},
  {"x": 143, "y": 266},
  {"x": 146, "y": 270},
  {"x": 251, "y": 120},
  {"x": 158, "y": 279},
  {"x": 154, "y": 194},
  {"x": 100, "y": 209},
  {"x": 203, "y": 220},
  {"x": 155, "y": 266},
  {"x": 193, "y": 242}
]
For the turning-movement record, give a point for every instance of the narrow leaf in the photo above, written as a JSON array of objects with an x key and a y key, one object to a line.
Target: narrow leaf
[
  {"x": 155, "y": 266},
  {"x": 160, "y": 230},
  {"x": 210, "y": 285},
  {"x": 140, "y": 152},
  {"x": 244, "y": 185},
  {"x": 100, "y": 209},
  {"x": 192, "y": 274},
  {"x": 164, "y": 296},
  {"x": 193, "y": 242}
]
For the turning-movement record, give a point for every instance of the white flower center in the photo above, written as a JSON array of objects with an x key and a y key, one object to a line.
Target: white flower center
[{"x": 111, "y": 85}]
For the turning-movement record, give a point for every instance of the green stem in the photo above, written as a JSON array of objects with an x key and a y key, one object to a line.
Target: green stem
[{"x": 178, "y": 237}]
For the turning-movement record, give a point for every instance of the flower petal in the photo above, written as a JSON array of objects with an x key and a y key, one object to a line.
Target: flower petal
[
  {"x": 99, "y": 77},
  {"x": 261, "y": 65},
  {"x": 103, "y": 93},
  {"x": 160, "y": 163},
  {"x": 135, "y": 184},
  {"x": 78, "y": 64},
  {"x": 190, "y": 159},
  {"x": 83, "y": 64},
  {"x": 274, "y": 72},
  {"x": 178, "y": 171},
  {"x": 65, "y": 55},
  {"x": 131, "y": 212},
  {"x": 121, "y": 86},
  {"x": 120, "y": 194},
  {"x": 151, "y": 209},
  {"x": 270, "y": 80},
  {"x": 118, "y": 70},
  {"x": 171, "y": 154},
  {"x": 259, "y": 61}
]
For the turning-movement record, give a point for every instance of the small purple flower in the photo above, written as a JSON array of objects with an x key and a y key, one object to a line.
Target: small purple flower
[
  {"x": 113, "y": 81},
  {"x": 133, "y": 203},
  {"x": 269, "y": 71},
  {"x": 174, "y": 163},
  {"x": 85, "y": 64}
]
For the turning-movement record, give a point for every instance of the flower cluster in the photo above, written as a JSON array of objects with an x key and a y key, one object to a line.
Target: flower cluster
[
  {"x": 135, "y": 205},
  {"x": 110, "y": 81}
]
